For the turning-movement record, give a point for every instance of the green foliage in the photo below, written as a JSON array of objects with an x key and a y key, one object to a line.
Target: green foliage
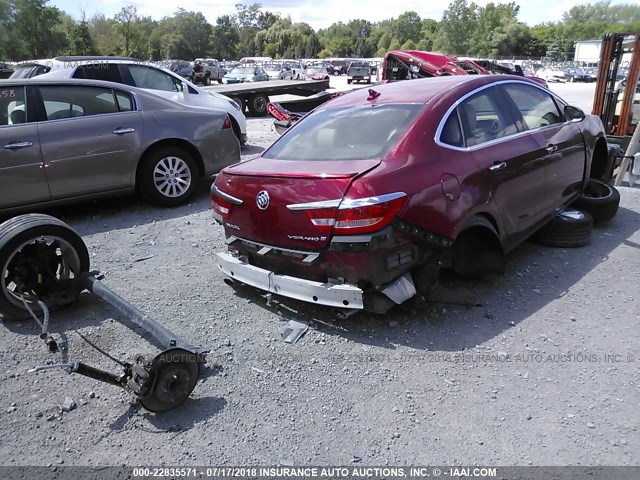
[
  {"x": 80, "y": 40},
  {"x": 225, "y": 37},
  {"x": 456, "y": 29},
  {"x": 33, "y": 29}
]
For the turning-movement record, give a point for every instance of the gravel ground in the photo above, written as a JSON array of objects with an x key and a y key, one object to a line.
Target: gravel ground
[{"x": 538, "y": 366}]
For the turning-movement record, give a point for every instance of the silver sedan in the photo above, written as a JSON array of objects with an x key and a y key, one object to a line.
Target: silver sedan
[{"x": 69, "y": 140}]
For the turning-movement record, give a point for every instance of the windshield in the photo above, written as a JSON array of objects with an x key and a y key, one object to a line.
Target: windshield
[
  {"x": 316, "y": 70},
  {"x": 351, "y": 133},
  {"x": 29, "y": 71}
]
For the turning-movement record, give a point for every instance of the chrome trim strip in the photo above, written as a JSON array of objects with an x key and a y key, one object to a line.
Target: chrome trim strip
[
  {"x": 347, "y": 203},
  {"x": 315, "y": 205},
  {"x": 225, "y": 196},
  {"x": 332, "y": 295},
  {"x": 368, "y": 201}
]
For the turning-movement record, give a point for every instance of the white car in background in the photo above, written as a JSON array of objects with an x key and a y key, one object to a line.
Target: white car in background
[
  {"x": 552, "y": 75},
  {"x": 143, "y": 74}
]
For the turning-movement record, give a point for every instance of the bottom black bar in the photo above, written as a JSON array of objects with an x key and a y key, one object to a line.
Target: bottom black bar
[{"x": 320, "y": 472}]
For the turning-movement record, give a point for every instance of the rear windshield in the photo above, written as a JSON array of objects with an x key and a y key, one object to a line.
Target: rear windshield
[{"x": 352, "y": 133}]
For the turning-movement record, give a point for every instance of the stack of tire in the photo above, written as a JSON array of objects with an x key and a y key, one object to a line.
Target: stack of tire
[{"x": 572, "y": 226}]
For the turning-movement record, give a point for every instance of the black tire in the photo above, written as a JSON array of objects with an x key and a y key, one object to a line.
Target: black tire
[
  {"x": 258, "y": 105},
  {"x": 569, "y": 229},
  {"x": 599, "y": 199},
  {"x": 168, "y": 176},
  {"x": 207, "y": 80},
  {"x": 39, "y": 256},
  {"x": 349, "y": 82},
  {"x": 220, "y": 80}
]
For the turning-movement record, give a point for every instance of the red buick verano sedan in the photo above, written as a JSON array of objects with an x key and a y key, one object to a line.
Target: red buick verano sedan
[{"x": 363, "y": 201}]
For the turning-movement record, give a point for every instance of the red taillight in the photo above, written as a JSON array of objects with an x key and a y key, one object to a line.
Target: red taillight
[
  {"x": 323, "y": 218},
  {"x": 220, "y": 206},
  {"x": 367, "y": 218},
  {"x": 277, "y": 113},
  {"x": 358, "y": 216},
  {"x": 227, "y": 123}
]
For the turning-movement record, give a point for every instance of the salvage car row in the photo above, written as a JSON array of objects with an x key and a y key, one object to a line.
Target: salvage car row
[{"x": 359, "y": 205}]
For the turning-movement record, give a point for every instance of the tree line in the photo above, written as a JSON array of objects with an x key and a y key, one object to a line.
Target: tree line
[{"x": 32, "y": 29}]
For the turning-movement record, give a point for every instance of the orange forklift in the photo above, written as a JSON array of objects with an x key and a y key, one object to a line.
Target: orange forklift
[{"x": 617, "y": 99}]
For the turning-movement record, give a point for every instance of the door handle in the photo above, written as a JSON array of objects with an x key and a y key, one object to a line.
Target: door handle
[
  {"x": 122, "y": 131},
  {"x": 496, "y": 167},
  {"x": 17, "y": 145},
  {"x": 551, "y": 148}
]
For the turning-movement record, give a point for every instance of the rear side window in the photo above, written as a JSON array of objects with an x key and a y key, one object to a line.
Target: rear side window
[
  {"x": 154, "y": 79},
  {"x": 537, "y": 107},
  {"x": 125, "y": 104},
  {"x": 352, "y": 133},
  {"x": 99, "y": 71},
  {"x": 67, "y": 101},
  {"x": 452, "y": 131}
]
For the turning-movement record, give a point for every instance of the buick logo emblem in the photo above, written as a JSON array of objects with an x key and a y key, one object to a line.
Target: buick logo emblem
[{"x": 262, "y": 200}]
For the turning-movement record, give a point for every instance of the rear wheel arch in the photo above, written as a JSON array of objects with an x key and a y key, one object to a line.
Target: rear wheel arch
[
  {"x": 172, "y": 142},
  {"x": 477, "y": 249}
]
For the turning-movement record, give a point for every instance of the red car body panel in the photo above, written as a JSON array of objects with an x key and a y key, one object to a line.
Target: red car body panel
[
  {"x": 514, "y": 183},
  {"x": 434, "y": 64}
]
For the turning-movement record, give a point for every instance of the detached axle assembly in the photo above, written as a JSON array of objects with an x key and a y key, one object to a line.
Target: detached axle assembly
[{"x": 44, "y": 264}]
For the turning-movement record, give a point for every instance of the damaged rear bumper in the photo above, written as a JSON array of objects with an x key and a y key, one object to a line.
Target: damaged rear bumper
[
  {"x": 333, "y": 295},
  {"x": 339, "y": 295}
]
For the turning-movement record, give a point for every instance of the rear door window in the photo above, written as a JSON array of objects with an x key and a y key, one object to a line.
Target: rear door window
[
  {"x": 99, "y": 71},
  {"x": 485, "y": 118},
  {"x": 154, "y": 79},
  {"x": 352, "y": 133},
  {"x": 67, "y": 101}
]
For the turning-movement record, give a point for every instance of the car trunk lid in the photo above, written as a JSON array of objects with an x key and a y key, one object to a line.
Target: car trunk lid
[{"x": 274, "y": 197}]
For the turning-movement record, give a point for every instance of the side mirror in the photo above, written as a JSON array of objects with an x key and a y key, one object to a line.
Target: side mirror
[{"x": 573, "y": 114}]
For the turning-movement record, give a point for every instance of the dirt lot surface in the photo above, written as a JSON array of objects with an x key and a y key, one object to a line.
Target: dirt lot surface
[{"x": 538, "y": 366}]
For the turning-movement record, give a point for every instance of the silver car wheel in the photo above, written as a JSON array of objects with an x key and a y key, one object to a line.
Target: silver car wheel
[{"x": 172, "y": 176}]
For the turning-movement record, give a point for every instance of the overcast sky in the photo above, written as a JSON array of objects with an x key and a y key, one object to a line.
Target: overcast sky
[{"x": 317, "y": 13}]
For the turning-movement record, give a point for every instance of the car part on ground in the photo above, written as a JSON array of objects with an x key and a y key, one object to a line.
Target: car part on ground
[
  {"x": 44, "y": 264},
  {"x": 600, "y": 200},
  {"x": 73, "y": 140},
  {"x": 570, "y": 228},
  {"x": 36, "y": 240},
  {"x": 350, "y": 208}
]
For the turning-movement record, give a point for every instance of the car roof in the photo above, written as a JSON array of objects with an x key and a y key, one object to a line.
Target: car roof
[
  {"x": 45, "y": 80},
  {"x": 141, "y": 92},
  {"x": 419, "y": 90}
]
